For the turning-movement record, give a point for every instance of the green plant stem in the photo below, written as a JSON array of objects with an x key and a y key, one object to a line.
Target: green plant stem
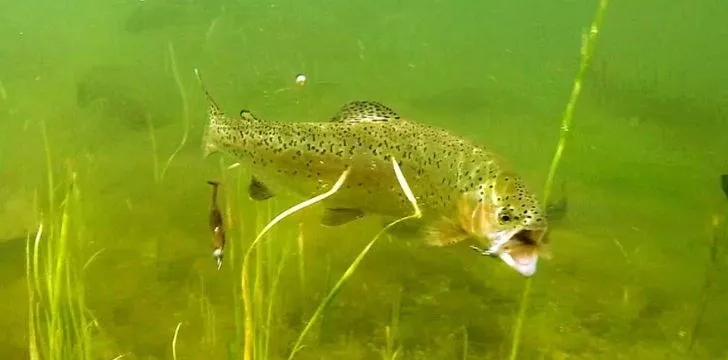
[
  {"x": 30, "y": 263},
  {"x": 185, "y": 111},
  {"x": 174, "y": 340},
  {"x": 710, "y": 273},
  {"x": 355, "y": 264},
  {"x": 245, "y": 287},
  {"x": 155, "y": 155},
  {"x": 587, "y": 48},
  {"x": 235, "y": 227},
  {"x": 301, "y": 259}
]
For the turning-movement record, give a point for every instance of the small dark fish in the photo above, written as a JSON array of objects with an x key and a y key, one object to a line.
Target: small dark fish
[
  {"x": 724, "y": 184},
  {"x": 216, "y": 226},
  {"x": 556, "y": 209}
]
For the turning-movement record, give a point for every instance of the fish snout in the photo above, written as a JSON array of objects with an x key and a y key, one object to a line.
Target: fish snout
[{"x": 520, "y": 249}]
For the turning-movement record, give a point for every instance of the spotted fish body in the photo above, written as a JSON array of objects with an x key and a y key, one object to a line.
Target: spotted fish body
[{"x": 463, "y": 190}]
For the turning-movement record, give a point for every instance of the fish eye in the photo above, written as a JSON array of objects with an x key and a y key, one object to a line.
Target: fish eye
[{"x": 504, "y": 217}]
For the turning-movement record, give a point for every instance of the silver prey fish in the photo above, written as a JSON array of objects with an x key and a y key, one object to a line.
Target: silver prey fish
[{"x": 464, "y": 190}]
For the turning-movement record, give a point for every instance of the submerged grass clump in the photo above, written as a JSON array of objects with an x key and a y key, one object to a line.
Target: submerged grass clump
[
  {"x": 252, "y": 302},
  {"x": 60, "y": 324},
  {"x": 393, "y": 348},
  {"x": 318, "y": 314},
  {"x": 257, "y": 290}
]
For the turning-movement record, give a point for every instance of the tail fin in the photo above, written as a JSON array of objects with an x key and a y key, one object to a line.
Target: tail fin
[{"x": 213, "y": 113}]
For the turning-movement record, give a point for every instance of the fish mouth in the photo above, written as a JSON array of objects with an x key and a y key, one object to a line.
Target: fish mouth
[
  {"x": 519, "y": 249},
  {"x": 526, "y": 266},
  {"x": 531, "y": 237}
]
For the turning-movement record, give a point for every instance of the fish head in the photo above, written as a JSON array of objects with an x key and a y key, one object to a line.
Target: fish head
[{"x": 503, "y": 213}]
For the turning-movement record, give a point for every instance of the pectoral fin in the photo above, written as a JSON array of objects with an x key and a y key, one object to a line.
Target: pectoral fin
[
  {"x": 258, "y": 191},
  {"x": 444, "y": 232},
  {"x": 340, "y": 216}
]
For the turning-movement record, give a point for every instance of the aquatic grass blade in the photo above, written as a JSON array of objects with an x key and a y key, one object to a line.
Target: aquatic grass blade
[
  {"x": 155, "y": 154},
  {"x": 249, "y": 324},
  {"x": 355, "y": 263},
  {"x": 391, "y": 331},
  {"x": 30, "y": 265},
  {"x": 174, "y": 340},
  {"x": 185, "y": 111},
  {"x": 234, "y": 245},
  {"x": 587, "y": 48},
  {"x": 59, "y": 322},
  {"x": 301, "y": 259},
  {"x": 710, "y": 275},
  {"x": 272, "y": 291}
]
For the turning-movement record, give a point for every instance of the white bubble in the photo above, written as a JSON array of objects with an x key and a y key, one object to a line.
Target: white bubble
[{"x": 301, "y": 79}]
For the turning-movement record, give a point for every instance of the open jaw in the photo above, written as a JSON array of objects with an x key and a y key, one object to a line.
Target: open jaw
[{"x": 519, "y": 249}]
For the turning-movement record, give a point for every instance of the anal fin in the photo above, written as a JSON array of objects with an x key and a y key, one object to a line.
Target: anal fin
[
  {"x": 258, "y": 191},
  {"x": 340, "y": 216}
]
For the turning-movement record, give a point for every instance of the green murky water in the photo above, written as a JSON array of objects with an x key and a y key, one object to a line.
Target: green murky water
[{"x": 641, "y": 173}]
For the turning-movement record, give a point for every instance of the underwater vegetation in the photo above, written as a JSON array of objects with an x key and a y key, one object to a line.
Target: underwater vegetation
[
  {"x": 279, "y": 295},
  {"x": 60, "y": 325}
]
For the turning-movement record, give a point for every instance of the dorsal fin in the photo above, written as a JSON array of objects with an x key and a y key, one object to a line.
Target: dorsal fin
[
  {"x": 248, "y": 116},
  {"x": 214, "y": 111},
  {"x": 364, "y": 111}
]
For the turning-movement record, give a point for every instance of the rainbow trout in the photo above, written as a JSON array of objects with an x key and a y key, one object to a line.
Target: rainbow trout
[{"x": 465, "y": 191}]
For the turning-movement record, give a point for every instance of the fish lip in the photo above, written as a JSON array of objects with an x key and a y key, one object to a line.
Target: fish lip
[
  {"x": 525, "y": 265},
  {"x": 526, "y": 268},
  {"x": 528, "y": 236}
]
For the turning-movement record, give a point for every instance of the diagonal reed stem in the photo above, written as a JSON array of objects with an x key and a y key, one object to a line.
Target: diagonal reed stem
[
  {"x": 587, "y": 48},
  {"x": 185, "y": 111},
  {"x": 710, "y": 274},
  {"x": 174, "y": 340},
  {"x": 355, "y": 264},
  {"x": 247, "y": 347}
]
